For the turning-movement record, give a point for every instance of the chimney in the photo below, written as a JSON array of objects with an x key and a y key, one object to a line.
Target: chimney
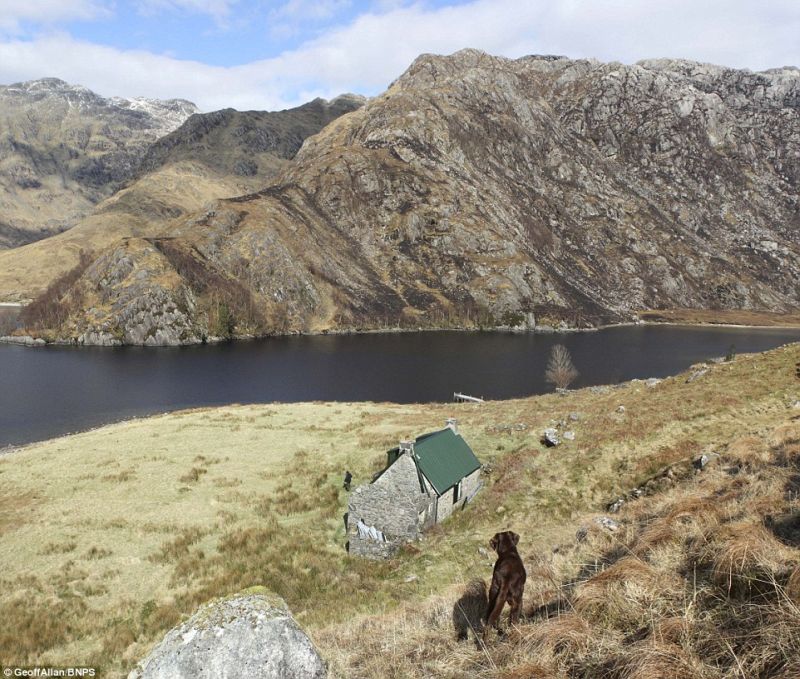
[
  {"x": 452, "y": 423},
  {"x": 406, "y": 447}
]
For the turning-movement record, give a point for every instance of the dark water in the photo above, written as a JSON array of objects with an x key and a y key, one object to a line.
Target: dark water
[{"x": 54, "y": 390}]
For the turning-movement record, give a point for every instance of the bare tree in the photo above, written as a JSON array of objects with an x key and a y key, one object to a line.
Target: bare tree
[{"x": 560, "y": 371}]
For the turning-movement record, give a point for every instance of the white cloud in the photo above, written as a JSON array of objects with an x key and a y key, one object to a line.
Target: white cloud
[
  {"x": 15, "y": 12},
  {"x": 366, "y": 54},
  {"x": 215, "y": 8},
  {"x": 314, "y": 10},
  {"x": 293, "y": 16}
]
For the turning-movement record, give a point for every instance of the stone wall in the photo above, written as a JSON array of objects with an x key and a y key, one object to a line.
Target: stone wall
[
  {"x": 468, "y": 486},
  {"x": 392, "y": 504}
]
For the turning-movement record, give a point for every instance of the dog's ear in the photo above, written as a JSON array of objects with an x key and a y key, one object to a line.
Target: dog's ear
[
  {"x": 514, "y": 537},
  {"x": 493, "y": 541}
]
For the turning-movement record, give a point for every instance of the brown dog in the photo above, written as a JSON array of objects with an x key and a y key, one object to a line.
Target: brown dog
[{"x": 508, "y": 580}]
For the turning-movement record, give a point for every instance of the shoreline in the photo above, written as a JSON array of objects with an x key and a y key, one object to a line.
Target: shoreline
[{"x": 37, "y": 342}]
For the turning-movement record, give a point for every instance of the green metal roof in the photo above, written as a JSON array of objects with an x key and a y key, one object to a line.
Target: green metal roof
[{"x": 444, "y": 458}]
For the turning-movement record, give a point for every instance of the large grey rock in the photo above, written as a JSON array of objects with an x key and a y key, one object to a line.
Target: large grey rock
[{"x": 250, "y": 635}]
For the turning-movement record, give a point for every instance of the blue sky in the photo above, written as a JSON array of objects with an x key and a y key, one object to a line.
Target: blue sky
[{"x": 270, "y": 54}]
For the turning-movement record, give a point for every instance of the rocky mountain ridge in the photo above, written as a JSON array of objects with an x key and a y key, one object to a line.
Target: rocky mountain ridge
[
  {"x": 65, "y": 149},
  {"x": 246, "y": 143},
  {"x": 480, "y": 190},
  {"x": 210, "y": 156}
]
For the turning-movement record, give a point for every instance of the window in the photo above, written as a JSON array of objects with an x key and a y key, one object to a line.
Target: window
[{"x": 456, "y": 492}]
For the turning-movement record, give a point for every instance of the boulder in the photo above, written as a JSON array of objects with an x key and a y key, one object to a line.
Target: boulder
[
  {"x": 550, "y": 437},
  {"x": 250, "y": 635}
]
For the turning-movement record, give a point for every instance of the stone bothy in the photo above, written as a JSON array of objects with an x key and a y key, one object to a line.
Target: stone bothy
[{"x": 425, "y": 480}]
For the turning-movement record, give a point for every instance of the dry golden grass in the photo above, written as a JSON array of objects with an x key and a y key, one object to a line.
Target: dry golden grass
[
  {"x": 694, "y": 584},
  {"x": 110, "y": 537},
  {"x": 722, "y": 316}
]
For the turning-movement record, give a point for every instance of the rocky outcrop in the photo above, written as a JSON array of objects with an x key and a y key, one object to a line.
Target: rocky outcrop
[
  {"x": 23, "y": 340},
  {"x": 65, "y": 148},
  {"x": 134, "y": 295},
  {"x": 249, "y": 635},
  {"x": 538, "y": 192}
]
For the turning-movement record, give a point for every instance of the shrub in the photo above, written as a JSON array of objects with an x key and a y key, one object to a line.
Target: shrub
[
  {"x": 8, "y": 321},
  {"x": 51, "y": 309}
]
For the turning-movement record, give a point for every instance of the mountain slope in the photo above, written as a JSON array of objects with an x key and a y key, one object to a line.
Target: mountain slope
[
  {"x": 481, "y": 190},
  {"x": 246, "y": 143},
  {"x": 211, "y": 156},
  {"x": 65, "y": 149}
]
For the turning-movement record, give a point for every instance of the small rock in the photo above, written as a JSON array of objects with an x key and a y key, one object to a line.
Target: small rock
[
  {"x": 696, "y": 374},
  {"x": 483, "y": 551},
  {"x": 703, "y": 461},
  {"x": 615, "y": 506},
  {"x": 411, "y": 578},
  {"x": 550, "y": 437},
  {"x": 574, "y": 417},
  {"x": 607, "y": 523},
  {"x": 652, "y": 381},
  {"x": 500, "y": 510},
  {"x": 582, "y": 533},
  {"x": 796, "y": 405},
  {"x": 620, "y": 409},
  {"x": 569, "y": 435}
]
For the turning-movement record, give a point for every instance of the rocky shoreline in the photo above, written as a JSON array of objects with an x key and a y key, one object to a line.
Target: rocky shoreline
[{"x": 99, "y": 339}]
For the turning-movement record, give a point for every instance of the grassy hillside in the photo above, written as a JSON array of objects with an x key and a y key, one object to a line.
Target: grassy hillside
[{"x": 108, "y": 538}]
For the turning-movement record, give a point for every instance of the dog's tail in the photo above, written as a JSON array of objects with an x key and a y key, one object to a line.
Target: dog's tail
[{"x": 499, "y": 602}]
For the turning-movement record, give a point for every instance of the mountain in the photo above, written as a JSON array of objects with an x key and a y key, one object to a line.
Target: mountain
[
  {"x": 481, "y": 191},
  {"x": 210, "y": 156},
  {"x": 246, "y": 143},
  {"x": 65, "y": 148}
]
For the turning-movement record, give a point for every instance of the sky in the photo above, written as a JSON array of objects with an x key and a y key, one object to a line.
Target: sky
[{"x": 274, "y": 54}]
